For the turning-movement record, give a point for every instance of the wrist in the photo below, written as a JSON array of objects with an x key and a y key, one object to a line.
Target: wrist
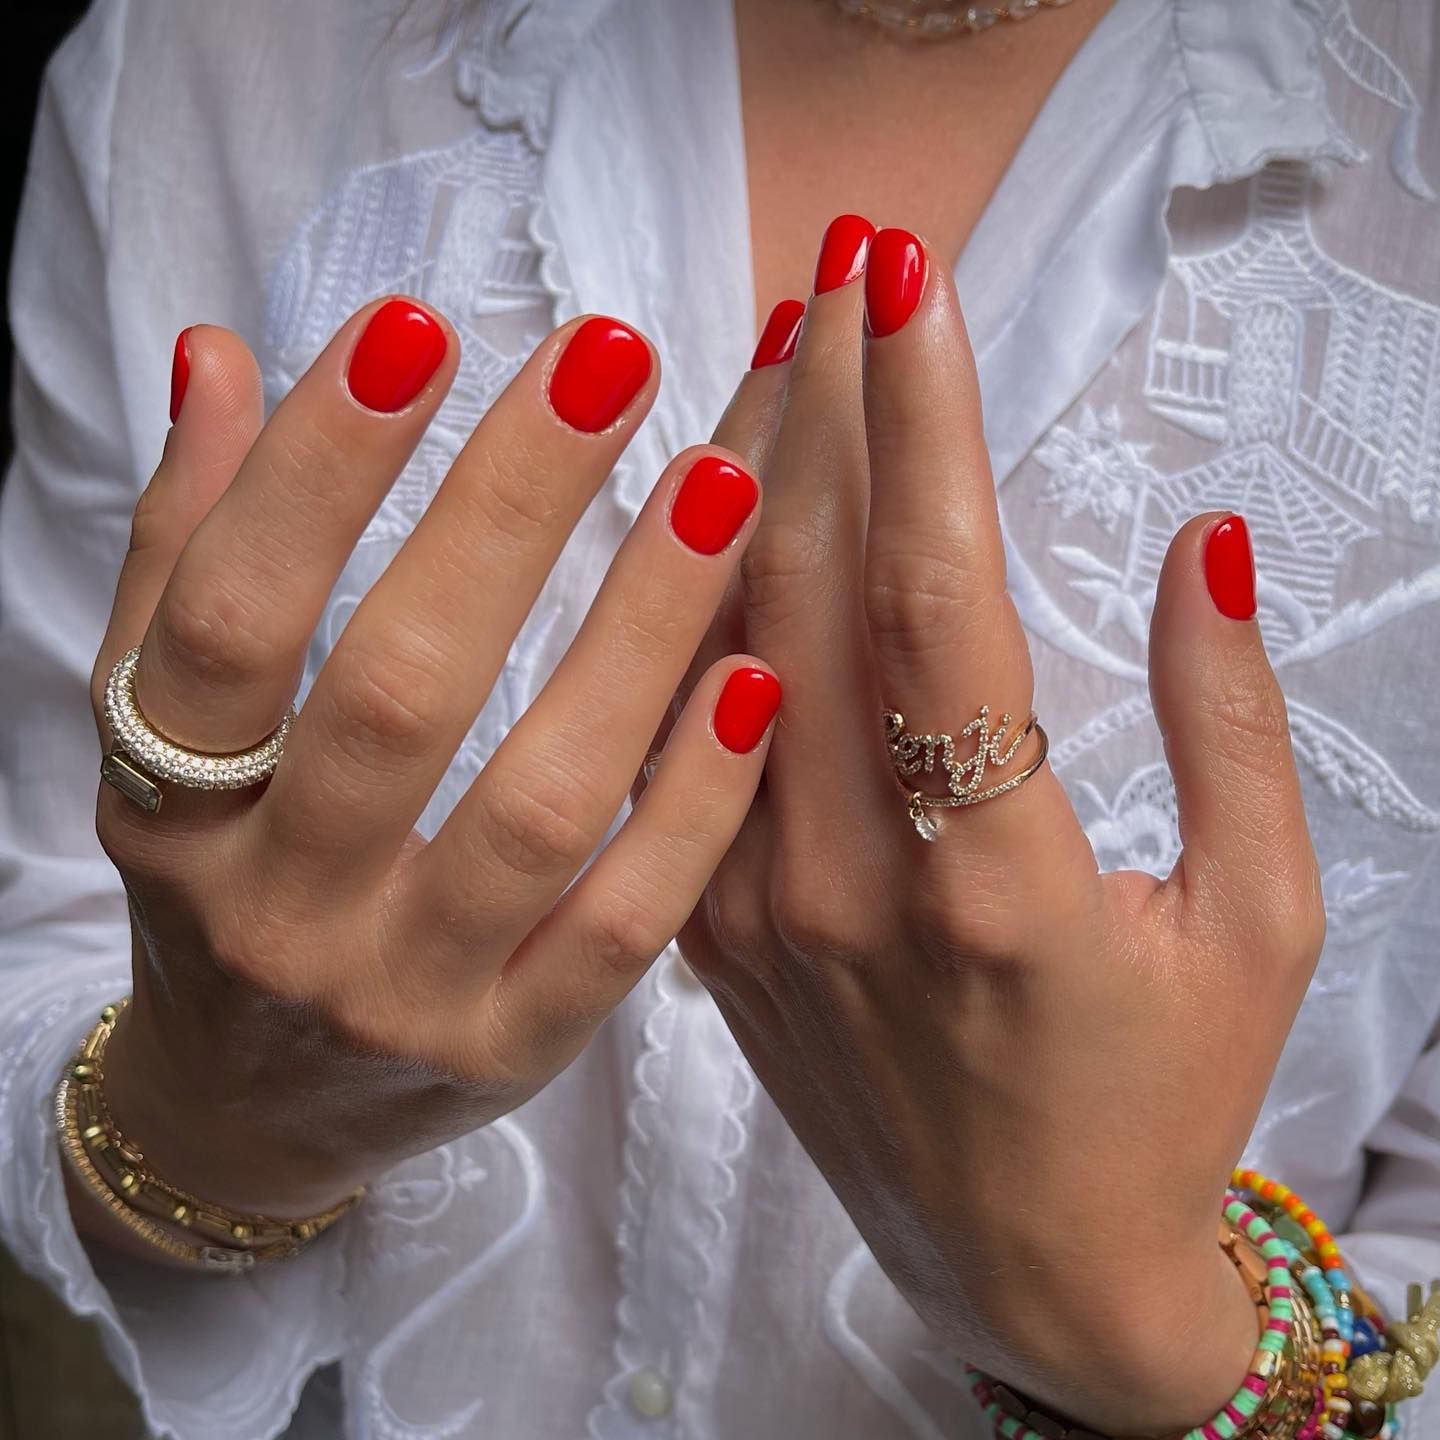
[
  {"x": 1164, "y": 1362},
  {"x": 204, "y": 1130}
]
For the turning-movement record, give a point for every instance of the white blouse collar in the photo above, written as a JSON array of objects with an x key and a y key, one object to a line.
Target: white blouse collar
[{"x": 636, "y": 105}]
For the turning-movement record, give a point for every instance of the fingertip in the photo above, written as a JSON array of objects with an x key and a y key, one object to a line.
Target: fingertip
[
  {"x": 896, "y": 273},
  {"x": 216, "y": 401},
  {"x": 844, "y": 249},
  {"x": 400, "y": 347},
  {"x": 1208, "y": 575},
  {"x": 747, "y": 703},
  {"x": 179, "y": 374},
  {"x": 1229, "y": 565},
  {"x": 780, "y": 336},
  {"x": 603, "y": 370}
]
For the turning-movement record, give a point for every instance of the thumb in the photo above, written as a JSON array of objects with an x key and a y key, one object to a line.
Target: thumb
[
  {"x": 216, "y": 413},
  {"x": 1247, "y": 858}
]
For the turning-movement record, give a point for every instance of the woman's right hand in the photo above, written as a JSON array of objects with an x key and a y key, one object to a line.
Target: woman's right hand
[{"x": 318, "y": 992}]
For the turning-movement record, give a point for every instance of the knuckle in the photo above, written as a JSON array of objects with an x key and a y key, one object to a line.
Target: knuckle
[
  {"x": 1310, "y": 929},
  {"x": 525, "y": 1038},
  {"x": 624, "y": 937},
  {"x": 1295, "y": 917},
  {"x": 735, "y": 916},
  {"x": 779, "y": 570},
  {"x": 151, "y": 522},
  {"x": 120, "y": 829},
  {"x": 513, "y": 499},
  {"x": 815, "y": 926},
  {"x": 826, "y": 358},
  {"x": 915, "y": 601},
  {"x": 216, "y": 638},
  {"x": 99, "y": 678},
  {"x": 255, "y": 960},
  {"x": 974, "y": 926},
  {"x": 304, "y": 462},
  {"x": 1248, "y": 704},
  {"x": 379, "y": 704},
  {"x": 648, "y": 627},
  {"x": 535, "y": 827}
]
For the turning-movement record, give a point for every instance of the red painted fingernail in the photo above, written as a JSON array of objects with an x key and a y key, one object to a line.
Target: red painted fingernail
[
  {"x": 179, "y": 374},
  {"x": 780, "y": 335},
  {"x": 1230, "y": 568},
  {"x": 712, "y": 503},
  {"x": 400, "y": 349},
  {"x": 894, "y": 280},
  {"x": 842, "y": 252},
  {"x": 598, "y": 374},
  {"x": 746, "y": 706}
]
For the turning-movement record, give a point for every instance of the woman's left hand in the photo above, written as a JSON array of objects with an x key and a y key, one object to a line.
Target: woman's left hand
[{"x": 1026, "y": 1081}]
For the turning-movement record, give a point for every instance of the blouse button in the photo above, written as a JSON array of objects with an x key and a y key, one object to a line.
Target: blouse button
[{"x": 650, "y": 1394}]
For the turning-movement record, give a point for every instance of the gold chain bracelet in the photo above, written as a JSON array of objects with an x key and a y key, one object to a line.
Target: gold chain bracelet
[{"x": 116, "y": 1173}]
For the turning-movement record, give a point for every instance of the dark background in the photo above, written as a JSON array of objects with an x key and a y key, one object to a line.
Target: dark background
[{"x": 35, "y": 27}]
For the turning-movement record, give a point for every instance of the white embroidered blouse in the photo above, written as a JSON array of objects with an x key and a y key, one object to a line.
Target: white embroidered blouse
[{"x": 1210, "y": 278}]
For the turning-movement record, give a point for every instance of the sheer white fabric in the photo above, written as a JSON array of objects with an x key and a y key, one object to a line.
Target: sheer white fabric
[{"x": 1210, "y": 278}]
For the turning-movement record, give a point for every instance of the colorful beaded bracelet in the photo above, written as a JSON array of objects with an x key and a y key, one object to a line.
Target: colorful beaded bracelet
[
  {"x": 1324, "y": 1311},
  {"x": 1358, "y": 1325},
  {"x": 1272, "y": 1192}
]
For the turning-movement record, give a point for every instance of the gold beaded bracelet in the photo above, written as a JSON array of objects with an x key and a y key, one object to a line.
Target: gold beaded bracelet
[{"x": 115, "y": 1172}]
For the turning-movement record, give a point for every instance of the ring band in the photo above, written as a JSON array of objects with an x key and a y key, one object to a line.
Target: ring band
[
  {"x": 911, "y": 753},
  {"x": 142, "y": 755}
]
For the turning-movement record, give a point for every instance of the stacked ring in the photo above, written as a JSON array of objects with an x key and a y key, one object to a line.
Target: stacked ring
[{"x": 142, "y": 755}]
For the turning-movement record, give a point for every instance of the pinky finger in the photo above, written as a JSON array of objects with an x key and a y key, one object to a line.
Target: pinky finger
[{"x": 597, "y": 942}]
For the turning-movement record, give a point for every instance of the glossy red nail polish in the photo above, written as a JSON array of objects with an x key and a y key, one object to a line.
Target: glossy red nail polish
[
  {"x": 713, "y": 502},
  {"x": 780, "y": 335},
  {"x": 842, "y": 252},
  {"x": 179, "y": 374},
  {"x": 599, "y": 373},
  {"x": 894, "y": 280},
  {"x": 1230, "y": 568},
  {"x": 747, "y": 704},
  {"x": 400, "y": 349}
]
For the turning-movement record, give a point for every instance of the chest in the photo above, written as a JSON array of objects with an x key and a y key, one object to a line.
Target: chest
[{"x": 841, "y": 116}]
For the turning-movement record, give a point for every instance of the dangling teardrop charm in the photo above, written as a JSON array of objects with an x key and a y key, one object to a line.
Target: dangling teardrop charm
[{"x": 925, "y": 825}]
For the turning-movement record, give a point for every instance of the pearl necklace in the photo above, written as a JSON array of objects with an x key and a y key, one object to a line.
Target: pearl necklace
[{"x": 936, "y": 18}]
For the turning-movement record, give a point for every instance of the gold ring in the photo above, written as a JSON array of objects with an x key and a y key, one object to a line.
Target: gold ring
[
  {"x": 911, "y": 754},
  {"x": 142, "y": 756}
]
